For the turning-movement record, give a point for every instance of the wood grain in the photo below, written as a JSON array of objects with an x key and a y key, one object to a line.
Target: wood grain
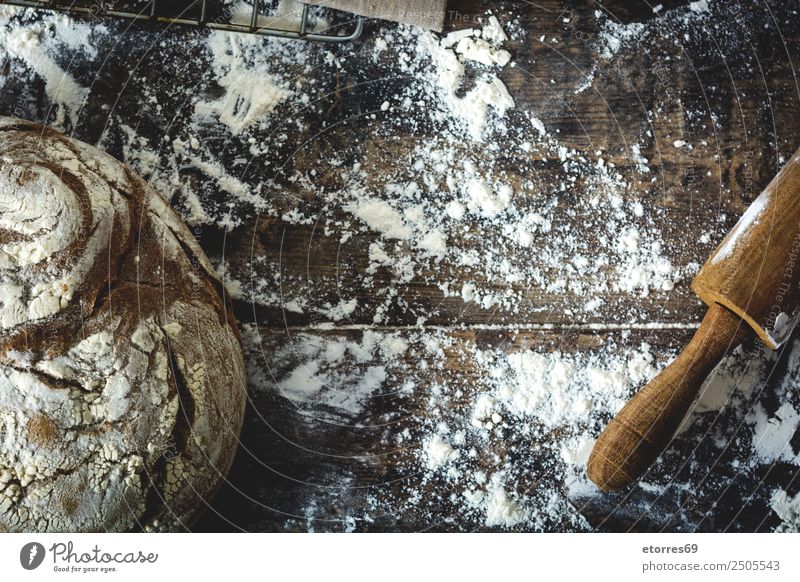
[
  {"x": 645, "y": 426},
  {"x": 754, "y": 272}
]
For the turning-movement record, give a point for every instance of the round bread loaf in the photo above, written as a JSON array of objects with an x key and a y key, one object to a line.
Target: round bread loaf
[{"x": 122, "y": 381}]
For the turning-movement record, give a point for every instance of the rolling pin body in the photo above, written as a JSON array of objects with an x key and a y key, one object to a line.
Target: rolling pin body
[{"x": 644, "y": 427}]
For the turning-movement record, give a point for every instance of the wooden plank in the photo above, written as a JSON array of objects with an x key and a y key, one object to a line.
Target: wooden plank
[
  {"x": 311, "y": 464},
  {"x": 672, "y": 90}
]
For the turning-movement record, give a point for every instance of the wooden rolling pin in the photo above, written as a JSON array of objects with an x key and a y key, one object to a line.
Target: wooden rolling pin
[{"x": 750, "y": 284}]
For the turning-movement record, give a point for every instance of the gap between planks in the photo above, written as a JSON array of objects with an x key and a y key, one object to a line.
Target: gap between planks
[{"x": 654, "y": 326}]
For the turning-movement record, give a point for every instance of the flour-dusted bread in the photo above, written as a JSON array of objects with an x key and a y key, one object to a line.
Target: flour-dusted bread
[{"x": 122, "y": 381}]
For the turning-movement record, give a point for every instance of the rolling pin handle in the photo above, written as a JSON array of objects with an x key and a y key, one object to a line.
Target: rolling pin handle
[{"x": 644, "y": 427}]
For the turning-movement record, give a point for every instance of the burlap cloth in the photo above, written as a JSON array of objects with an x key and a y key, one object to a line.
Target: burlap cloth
[{"x": 425, "y": 13}]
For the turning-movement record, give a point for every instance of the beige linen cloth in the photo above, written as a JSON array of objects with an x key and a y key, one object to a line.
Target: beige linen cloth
[{"x": 425, "y": 13}]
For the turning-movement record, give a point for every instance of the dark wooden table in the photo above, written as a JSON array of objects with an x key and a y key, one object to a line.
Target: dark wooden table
[{"x": 728, "y": 88}]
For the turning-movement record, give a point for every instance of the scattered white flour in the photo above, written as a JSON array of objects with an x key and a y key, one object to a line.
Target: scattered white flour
[
  {"x": 341, "y": 310},
  {"x": 381, "y": 217},
  {"x": 561, "y": 389},
  {"x": 501, "y": 510},
  {"x": 38, "y": 44},
  {"x": 318, "y": 382},
  {"x": 699, "y": 6},
  {"x": 526, "y": 394},
  {"x": 252, "y": 91},
  {"x": 438, "y": 452},
  {"x": 773, "y": 434},
  {"x": 449, "y": 66},
  {"x": 788, "y": 509},
  {"x": 616, "y": 35},
  {"x": 250, "y": 72}
]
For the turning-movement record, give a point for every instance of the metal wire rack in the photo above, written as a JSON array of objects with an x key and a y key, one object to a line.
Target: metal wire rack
[{"x": 212, "y": 14}]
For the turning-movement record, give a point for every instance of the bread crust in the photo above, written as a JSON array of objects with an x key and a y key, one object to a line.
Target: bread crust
[{"x": 122, "y": 378}]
